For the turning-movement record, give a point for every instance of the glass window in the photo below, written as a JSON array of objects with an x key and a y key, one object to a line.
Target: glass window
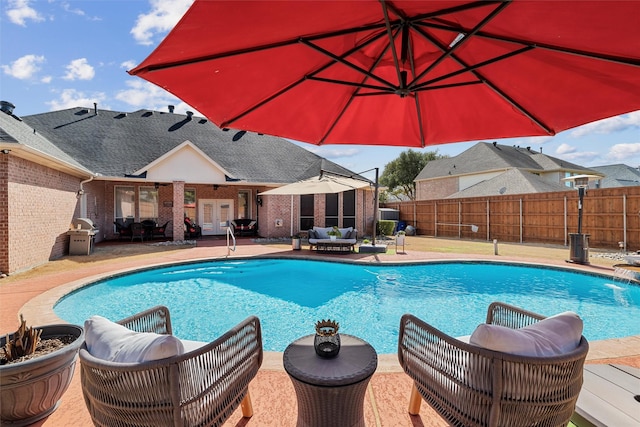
[
  {"x": 148, "y": 204},
  {"x": 306, "y": 211},
  {"x": 349, "y": 209},
  {"x": 190, "y": 203},
  {"x": 244, "y": 208},
  {"x": 125, "y": 204},
  {"x": 331, "y": 210}
]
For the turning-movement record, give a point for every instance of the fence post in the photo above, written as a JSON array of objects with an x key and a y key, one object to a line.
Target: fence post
[
  {"x": 459, "y": 220},
  {"x": 624, "y": 220},
  {"x": 487, "y": 219},
  {"x": 565, "y": 221},
  {"x": 435, "y": 218},
  {"x": 520, "y": 220}
]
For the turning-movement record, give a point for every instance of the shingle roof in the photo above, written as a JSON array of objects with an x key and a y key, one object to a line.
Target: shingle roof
[
  {"x": 15, "y": 131},
  {"x": 485, "y": 156},
  {"x": 114, "y": 143},
  {"x": 619, "y": 175},
  {"x": 513, "y": 181}
]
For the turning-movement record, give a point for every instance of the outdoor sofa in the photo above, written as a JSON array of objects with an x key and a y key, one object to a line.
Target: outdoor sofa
[{"x": 320, "y": 235}]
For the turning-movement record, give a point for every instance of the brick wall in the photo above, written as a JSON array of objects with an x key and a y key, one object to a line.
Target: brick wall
[
  {"x": 436, "y": 189},
  {"x": 41, "y": 206}
]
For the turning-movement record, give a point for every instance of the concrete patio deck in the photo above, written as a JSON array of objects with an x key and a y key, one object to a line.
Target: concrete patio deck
[{"x": 33, "y": 293}]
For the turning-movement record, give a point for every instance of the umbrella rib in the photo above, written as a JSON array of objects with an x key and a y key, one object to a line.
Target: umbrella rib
[
  {"x": 467, "y": 36},
  {"x": 473, "y": 67},
  {"x": 492, "y": 86},
  {"x": 299, "y": 81},
  {"x": 347, "y": 63},
  {"x": 348, "y": 83},
  {"x": 205, "y": 58},
  {"x": 402, "y": 79},
  {"x": 353, "y": 95},
  {"x": 480, "y": 34}
]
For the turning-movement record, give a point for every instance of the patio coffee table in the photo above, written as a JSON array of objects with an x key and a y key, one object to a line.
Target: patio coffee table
[
  {"x": 330, "y": 392},
  {"x": 337, "y": 245}
]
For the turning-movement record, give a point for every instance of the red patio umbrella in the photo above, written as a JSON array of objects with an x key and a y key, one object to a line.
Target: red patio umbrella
[{"x": 403, "y": 73}]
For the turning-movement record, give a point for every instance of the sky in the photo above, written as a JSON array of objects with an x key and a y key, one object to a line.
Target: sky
[{"x": 61, "y": 54}]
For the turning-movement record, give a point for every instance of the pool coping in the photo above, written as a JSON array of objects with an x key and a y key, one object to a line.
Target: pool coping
[{"x": 40, "y": 308}]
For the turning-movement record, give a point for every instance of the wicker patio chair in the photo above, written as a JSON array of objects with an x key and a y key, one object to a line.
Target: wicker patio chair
[
  {"x": 202, "y": 387},
  {"x": 472, "y": 386}
]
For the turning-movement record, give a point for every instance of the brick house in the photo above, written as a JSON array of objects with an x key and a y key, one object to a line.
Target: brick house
[
  {"x": 147, "y": 165},
  {"x": 488, "y": 169}
]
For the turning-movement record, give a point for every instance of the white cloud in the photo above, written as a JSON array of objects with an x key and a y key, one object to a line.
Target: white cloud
[
  {"x": 565, "y": 149},
  {"x": 25, "y": 67},
  {"x": 164, "y": 15},
  {"x": 610, "y": 125},
  {"x": 70, "y": 98},
  {"x": 19, "y": 11},
  {"x": 622, "y": 152},
  {"x": 142, "y": 94},
  {"x": 46, "y": 79},
  {"x": 79, "y": 69},
  {"x": 581, "y": 157},
  {"x": 67, "y": 7},
  {"x": 128, "y": 65}
]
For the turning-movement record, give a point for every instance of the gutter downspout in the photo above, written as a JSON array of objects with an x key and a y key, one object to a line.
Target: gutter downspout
[{"x": 81, "y": 190}]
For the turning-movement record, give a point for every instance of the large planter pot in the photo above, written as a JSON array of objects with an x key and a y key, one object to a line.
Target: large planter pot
[{"x": 31, "y": 390}]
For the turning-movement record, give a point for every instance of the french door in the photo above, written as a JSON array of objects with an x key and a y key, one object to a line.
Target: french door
[{"x": 215, "y": 215}]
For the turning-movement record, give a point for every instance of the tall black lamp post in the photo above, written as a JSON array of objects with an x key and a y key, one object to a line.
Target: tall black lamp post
[{"x": 579, "y": 242}]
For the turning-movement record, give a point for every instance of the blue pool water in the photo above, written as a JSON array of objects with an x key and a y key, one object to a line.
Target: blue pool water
[{"x": 206, "y": 299}]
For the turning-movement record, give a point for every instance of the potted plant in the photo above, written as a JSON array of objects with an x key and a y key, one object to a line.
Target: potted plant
[
  {"x": 334, "y": 233},
  {"x": 36, "y": 368}
]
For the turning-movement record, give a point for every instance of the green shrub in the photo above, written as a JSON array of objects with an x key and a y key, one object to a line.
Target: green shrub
[{"x": 385, "y": 227}]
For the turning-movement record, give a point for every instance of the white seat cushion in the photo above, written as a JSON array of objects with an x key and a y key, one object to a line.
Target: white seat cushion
[
  {"x": 110, "y": 341},
  {"x": 553, "y": 336}
]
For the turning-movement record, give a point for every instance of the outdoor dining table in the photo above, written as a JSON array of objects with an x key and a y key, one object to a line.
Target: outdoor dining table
[{"x": 330, "y": 391}]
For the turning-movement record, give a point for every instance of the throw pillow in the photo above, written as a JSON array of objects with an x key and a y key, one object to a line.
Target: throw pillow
[
  {"x": 322, "y": 232},
  {"x": 553, "y": 336},
  {"x": 345, "y": 232},
  {"x": 110, "y": 341}
]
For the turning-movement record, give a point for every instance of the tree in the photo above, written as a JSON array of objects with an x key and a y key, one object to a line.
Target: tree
[{"x": 398, "y": 175}]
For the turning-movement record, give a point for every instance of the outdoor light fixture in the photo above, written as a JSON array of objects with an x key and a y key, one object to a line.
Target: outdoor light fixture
[
  {"x": 215, "y": 187},
  {"x": 5, "y": 151},
  {"x": 259, "y": 201}
]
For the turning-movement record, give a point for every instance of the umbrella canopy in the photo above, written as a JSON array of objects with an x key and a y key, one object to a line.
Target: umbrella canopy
[
  {"x": 319, "y": 185},
  {"x": 405, "y": 72}
]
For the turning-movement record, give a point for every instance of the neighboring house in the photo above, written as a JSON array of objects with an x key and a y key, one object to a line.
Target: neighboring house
[
  {"x": 619, "y": 175},
  {"x": 488, "y": 169},
  {"x": 513, "y": 181},
  {"x": 112, "y": 166}
]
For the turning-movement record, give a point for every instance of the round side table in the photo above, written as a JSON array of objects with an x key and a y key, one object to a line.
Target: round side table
[{"x": 330, "y": 392}]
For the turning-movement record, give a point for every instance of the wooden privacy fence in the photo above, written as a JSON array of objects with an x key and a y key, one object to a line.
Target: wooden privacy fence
[{"x": 611, "y": 217}]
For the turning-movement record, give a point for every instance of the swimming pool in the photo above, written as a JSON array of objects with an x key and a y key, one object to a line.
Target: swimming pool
[{"x": 289, "y": 296}]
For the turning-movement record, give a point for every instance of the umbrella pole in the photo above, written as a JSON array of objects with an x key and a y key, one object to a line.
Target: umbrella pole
[{"x": 375, "y": 209}]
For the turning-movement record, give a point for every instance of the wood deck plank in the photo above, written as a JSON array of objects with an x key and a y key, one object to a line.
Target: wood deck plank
[{"x": 607, "y": 396}]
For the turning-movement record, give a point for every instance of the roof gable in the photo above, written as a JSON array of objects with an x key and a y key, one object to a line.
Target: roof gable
[{"x": 187, "y": 163}]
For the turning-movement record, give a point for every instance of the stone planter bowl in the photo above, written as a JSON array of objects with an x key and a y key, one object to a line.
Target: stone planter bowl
[{"x": 31, "y": 390}]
